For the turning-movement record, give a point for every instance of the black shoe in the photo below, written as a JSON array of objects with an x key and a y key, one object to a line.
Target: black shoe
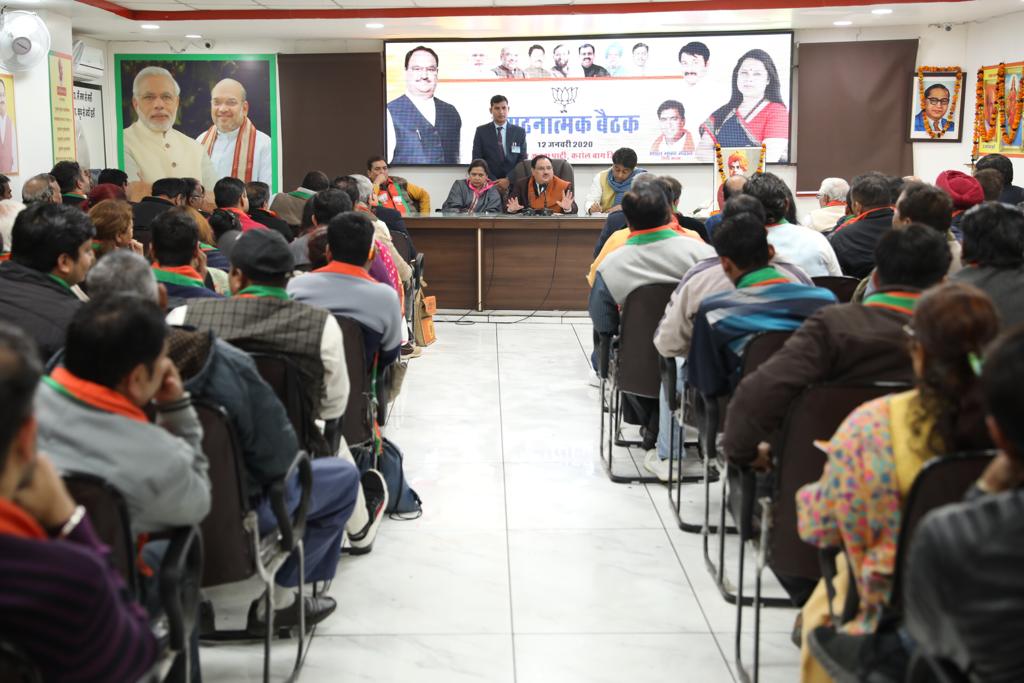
[
  {"x": 869, "y": 658},
  {"x": 317, "y": 609},
  {"x": 375, "y": 491}
]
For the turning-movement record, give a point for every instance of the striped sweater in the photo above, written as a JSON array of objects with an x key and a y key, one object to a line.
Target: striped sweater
[{"x": 69, "y": 611}]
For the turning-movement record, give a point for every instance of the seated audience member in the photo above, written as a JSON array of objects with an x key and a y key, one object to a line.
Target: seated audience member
[
  {"x": 608, "y": 187},
  {"x": 216, "y": 261},
  {"x": 178, "y": 260},
  {"x": 9, "y": 210},
  {"x": 103, "y": 191},
  {"x": 113, "y": 176},
  {"x": 792, "y": 242},
  {"x": 258, "y": 195},
  {"x": 961, "y": 586},
  {"x": 395, "y": 193},
  {"x": 654, "y": 253},
  {"x": 214, "y": 370},
  {"x": 41, "y": 189},
  {"x": 1011, "y": 194},
  {"x": 732, "y": 187},
  {"x": 851, "y": 343},
  {"x": 54, "y": 571},
  {"x": 964, "y": 190},
  {"x": 344, "y": 287},
  {"x": 166, "y": 193},
  {"x": 51, "y": 251},
  {"x": 229, "y": 195},
  {"x": 541, "y": 191},
  {"x": 764, "y": 299},
  {"x": 74, "y": 182},
  {"x": 113, "y": 222},
  {"x": 195, "y": 195},
  {"x": 393, "y": 220},
  {"x": 675, "y": 189},
  {"x": 831, "y": 205},
  {"x": 619, "y": 237},
  {"x": 991, "y": 182},
  {"x": 317, "y": 213},
  {"x": 288, "y": 205},
  {"x": 399, "y": 272},
  {"x": 877, "y": 452},
  {"x": 855, "y": 239},
  {"x": 91, "y": 419},
  {"x": 994, "y": 253},
  {"x": 475, "y": 193},
  {"x": 5, "y": 188}
]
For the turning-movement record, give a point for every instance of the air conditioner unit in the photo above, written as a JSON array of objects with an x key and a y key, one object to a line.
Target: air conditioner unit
[{"x": 88, "y": 67}]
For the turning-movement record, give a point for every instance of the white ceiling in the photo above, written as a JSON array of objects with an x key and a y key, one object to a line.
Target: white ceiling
[{"x": 87, "y": 20}]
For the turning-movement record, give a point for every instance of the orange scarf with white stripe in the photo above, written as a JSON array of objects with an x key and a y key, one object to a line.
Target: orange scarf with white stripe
[{"x": 245, "y": 149}]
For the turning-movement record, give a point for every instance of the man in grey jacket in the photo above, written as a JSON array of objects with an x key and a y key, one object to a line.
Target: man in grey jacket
[{"x": 91, "y": 419}]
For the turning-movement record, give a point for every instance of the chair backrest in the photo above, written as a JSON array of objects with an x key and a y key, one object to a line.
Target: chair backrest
[
  {"x": 357, "y": 422},
  {"x": 403, "y": 245},
  {"x": 283, "y": 376},
  {"x": 941, "y": 481},
  {"x": 562, "y": 169},
  {"x": 108, "y": 513},
  {"x": 228, "y": 547},
  {"x": 841, "y": 285},
  {"x": 815, "y": 415},
  {"x": 636, "y": 360},
  {"x": 15, "y": 665},
  {"x": 761, "y": 347}
]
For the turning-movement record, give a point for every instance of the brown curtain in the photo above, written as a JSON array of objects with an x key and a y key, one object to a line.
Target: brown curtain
[
  {"x": 854, "y": 110},
  {"x": 332, "y": 113}
]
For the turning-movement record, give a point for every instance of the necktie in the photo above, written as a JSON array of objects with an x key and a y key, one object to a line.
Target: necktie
[{"x": 501, "y": 142}]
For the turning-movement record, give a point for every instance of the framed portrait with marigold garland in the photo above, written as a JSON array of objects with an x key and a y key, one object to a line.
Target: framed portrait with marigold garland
[
  {"x": 1012, "y": 132},
  {"x": 937, "y": 105},
  {"x": 733, "y": 161}
]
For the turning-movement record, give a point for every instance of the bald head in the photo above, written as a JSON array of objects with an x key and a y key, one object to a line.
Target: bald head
[
  {"x": 734, "y": 186},
  {"x": 228, "y": 105},
  {"x": 41, "y": 188}
]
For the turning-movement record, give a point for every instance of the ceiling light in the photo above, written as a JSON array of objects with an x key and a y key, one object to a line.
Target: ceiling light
[
  {"x": 842, "y": 23},
  {"x": 193, "y": 36},
  {"x": 149, "y": 27},
  {"x": 881, "y": 10},
  {"x": 374, "y": 25}
]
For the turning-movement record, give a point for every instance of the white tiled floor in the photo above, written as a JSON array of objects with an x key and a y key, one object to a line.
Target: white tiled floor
[{"x": 528, "y": 565}]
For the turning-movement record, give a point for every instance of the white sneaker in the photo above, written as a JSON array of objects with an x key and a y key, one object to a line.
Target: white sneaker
[
  {"x": 692, "y": 467},
  {"x": 655, "y": 465}
]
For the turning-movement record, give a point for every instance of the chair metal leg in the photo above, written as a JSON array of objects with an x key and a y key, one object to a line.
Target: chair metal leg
[
  {"x": 614, "y": 425},
  {"x": 675, "y": 483}
]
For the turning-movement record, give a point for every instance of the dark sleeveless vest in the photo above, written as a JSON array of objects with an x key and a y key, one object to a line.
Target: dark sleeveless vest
[{"x": 418, "y": 142}]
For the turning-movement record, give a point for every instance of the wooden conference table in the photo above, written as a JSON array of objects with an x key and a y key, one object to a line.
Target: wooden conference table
[{"x": 507, "y": 262}]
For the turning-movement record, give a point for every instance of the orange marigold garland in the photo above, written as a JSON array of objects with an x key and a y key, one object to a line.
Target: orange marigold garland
[
  {"x": 985, "y": 126},
  {"x": 948, "y": 123},
  {"x": 720, "y": 165}
]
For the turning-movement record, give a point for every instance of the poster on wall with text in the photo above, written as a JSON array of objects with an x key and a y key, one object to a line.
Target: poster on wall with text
[
  {"x": 92, "y": 150},
  {"x": 62, "y": 108},
  {"x": 670, "y": 98},
  {"x": 8, "y": 127},
  {"x": 199, "y": 116}
]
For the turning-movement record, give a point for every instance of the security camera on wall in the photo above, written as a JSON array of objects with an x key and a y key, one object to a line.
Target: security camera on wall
[{"x": 207, "y": 44}]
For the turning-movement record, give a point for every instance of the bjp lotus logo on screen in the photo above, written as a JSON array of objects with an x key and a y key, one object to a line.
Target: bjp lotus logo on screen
[{"x": 564, "y": 96}]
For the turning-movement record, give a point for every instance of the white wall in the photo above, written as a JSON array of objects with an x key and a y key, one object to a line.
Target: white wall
[
  {"x": 971, "y": 45},
  {"x": 32, "y": 107}
]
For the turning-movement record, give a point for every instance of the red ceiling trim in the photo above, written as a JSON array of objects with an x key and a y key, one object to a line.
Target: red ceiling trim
[{"x": 408, "y": 12}]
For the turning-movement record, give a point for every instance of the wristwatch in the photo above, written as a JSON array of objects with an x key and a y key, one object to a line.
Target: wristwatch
[{"x": 73, "y": 521}]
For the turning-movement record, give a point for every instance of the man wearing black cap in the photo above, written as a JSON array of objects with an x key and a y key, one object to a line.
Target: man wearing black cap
[{"x": 260, "y": 317}]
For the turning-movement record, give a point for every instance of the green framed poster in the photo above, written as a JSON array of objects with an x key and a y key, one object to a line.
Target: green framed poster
[{"x": 201, "y": 116}]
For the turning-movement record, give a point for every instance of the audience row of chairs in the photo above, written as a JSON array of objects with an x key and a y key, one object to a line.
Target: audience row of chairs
[{"x": 759, "y": 509}]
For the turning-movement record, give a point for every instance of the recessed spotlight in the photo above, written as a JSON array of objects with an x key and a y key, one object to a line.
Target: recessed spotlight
[
  {"x": 881, "y": 10},
  {"x": 374, "y": 25},
  {"x": 842, "y": 23},
  {"x": 193, "y": 36},
  {"x": 149, "y": 27}
]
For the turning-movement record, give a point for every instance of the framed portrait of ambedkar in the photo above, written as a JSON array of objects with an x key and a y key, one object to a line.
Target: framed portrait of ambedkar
[{"x": 937, "y": 105}]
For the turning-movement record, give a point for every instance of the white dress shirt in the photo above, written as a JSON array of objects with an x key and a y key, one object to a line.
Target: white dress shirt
[{"x": 804, "y": 247}]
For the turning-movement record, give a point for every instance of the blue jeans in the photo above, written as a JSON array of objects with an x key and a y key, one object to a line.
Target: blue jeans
[
  {"x": 666, "y": 420},
  {"x": 332, "y": 499}
]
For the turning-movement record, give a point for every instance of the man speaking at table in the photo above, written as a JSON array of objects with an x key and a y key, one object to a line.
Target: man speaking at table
[{"x": 501, "y": 144}]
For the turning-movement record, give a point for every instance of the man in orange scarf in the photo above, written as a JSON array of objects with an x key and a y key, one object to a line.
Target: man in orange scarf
[{"x": 233, "y": 144}]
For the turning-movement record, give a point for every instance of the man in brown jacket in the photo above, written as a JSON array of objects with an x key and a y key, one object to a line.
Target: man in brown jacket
[{"x": 844, "y": 343}]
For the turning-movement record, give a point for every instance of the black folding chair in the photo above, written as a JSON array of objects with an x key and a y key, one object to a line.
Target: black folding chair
[
  {"x": 796, "y": 461},
  {"x": 283, "y": 376},
  {"x": 403, "y": 245},
  {"x": 710, "y": 420},
  {"x": 16, "y": 666},
  {"x": 669, "y": 379},
  {"x": 925, "y": 668},
  {"x": 841, "y": 285},
  {"x": 628, "y": 363},
  {"x": 356, "y": 424},
  {"x": 236, "y": 550},
  {"x": 179, "y": 570}
]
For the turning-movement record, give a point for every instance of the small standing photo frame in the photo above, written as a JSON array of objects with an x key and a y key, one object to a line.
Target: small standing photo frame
[
  {"x": 732, "y": 161},
  {"x": 937, "y": 104}
]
